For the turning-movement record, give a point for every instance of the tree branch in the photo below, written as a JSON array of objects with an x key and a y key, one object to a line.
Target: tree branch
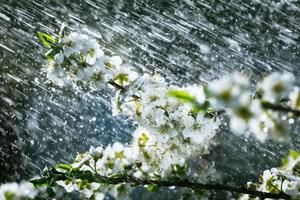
[
  {"x": 266, "y": 105},
  {"x": 116, "y": 85},
  {"x": 279, "y": 107},
  {"x": 54, "y": 175},
  {"x": 188, "y": 184}
]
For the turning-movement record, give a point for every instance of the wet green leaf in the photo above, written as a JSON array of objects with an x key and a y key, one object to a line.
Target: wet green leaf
[
  {"x": 40, "y": 182},
  {"x": 182, "y": 96},
  {"x": 63, "y": 167},
  {"x": 46, "y": 39}
]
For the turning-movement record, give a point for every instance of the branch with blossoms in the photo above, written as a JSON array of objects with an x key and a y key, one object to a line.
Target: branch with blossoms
[
  {"x": 55, "y": 175},
  {"x": 176, "y": 126}
]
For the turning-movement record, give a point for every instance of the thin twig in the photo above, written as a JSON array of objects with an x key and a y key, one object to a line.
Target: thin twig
[
  {"x": 116, "y": 85},
  {"x": 120, "y": 87},
  {"x": 279, "y": 107}
]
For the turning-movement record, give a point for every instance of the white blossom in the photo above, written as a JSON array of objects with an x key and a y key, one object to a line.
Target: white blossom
[
  {"x": 226, "y": 91},
  {"x": 283, "y": 179},
  {"x": 276, "y": 86},
  {"x": 96, "y": 152},
  {"x": 17, "y": 191}
]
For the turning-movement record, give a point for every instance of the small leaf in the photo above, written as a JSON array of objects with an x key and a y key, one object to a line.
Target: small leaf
[
  {"x": 294, "y": 154},
  {"x": 182, "y": 95},
  {"x": 40, "y": 182},
  {"x": 46, "y": 39},
  {"x": 63, "y": 167}
]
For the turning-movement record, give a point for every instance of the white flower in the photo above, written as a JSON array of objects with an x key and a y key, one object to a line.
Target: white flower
[
  {"x": 123, "y": 75},
  {"x": 94, "y": 55},
  {"x": 226, "y": 91},
  {"x": 82, "y": 159},
  {"x": 291, "y": 188},
  {"x": 59, "y": 58},
  {"x": 19, "y": 191},
  {"x": 81, "y": 59},
  {"x": 160, "y": 117},
  {"x": 67, "y": 185},
  {"x": 259, "y": 129},
  {"x": 99, "y": 196},
  {"x": 90, "y": 190},
  {"x": 96, "y": 152},
  {"x": 237, "y": 125},
  {"x": 116, "y": 60},
  {"x": 276, "y": 86}
]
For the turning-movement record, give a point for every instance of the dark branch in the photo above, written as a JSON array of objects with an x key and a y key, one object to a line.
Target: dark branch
[
  {"x": 120, "y": 87},
  {"x": 54, "y": 175},
  {"x": 188, "y": 184},
  {"x": 116, "y": 85},
  {"x": 279, "y": 107}
]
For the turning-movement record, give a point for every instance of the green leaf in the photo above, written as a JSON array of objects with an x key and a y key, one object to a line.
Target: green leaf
[
  {"x": 40, "y": 182},
  {"x": 77, "y": 174},
  {"x": 152, "y": 188},
  {"x": 294, "y": 154},
  {"x": 46, "y": 39},
  {"x": 182, "y": 95},
  {"x": 63, "y": 167}
]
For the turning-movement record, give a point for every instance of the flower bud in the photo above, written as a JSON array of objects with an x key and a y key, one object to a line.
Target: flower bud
[{"x": 96, "y": 153}]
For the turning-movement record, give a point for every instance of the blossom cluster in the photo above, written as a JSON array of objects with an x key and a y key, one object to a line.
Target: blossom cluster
[
  {"x": 249, "y": 112},
  {"x": 143, "y": 159},
  {"x": 78, "y": 58},
  {"x": 280, "y": 180},
  {"x": 169, "y": 131},
  {"x": 169, "y": 134}
]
